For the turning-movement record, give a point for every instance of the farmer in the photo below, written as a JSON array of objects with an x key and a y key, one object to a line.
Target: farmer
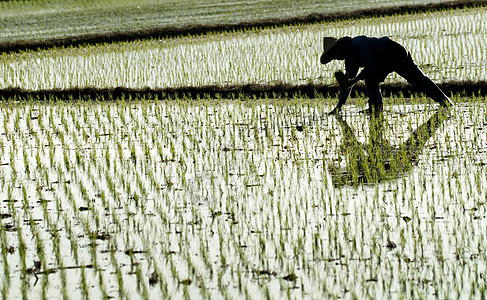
[{"x": 378, "y": 57}]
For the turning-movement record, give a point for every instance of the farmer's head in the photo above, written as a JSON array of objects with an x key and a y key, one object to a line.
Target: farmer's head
[{"x": 334, "y": 48}]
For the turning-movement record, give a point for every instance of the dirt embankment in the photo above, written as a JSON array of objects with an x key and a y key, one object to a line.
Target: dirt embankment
[
  {"x": 166, "y": 32},
  {"x": 465, "y": 88}
]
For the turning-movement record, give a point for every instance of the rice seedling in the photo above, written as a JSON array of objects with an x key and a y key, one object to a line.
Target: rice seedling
[
  {"x": 262, "y": 198},
  {"x": 229, "y": 198},
  {"x": 447, "y": 45},
  {"x": 43, "y": 19}
]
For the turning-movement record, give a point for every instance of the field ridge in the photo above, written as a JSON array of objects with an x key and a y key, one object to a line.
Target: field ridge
[
  {"x": 201, "y": 29},
  {"x": 463, "y": 88}
]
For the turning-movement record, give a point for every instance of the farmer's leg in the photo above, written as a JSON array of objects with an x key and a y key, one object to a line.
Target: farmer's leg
[
  {"x": 375, "y": 96},
  {"x": 406, "y": 68},
  {"x": 418, "y": 79}
]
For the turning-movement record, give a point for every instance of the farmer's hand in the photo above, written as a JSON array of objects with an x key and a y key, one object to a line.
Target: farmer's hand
[
  {"x": 335, "y": 111},
  {"x": 343, "y": 80}
]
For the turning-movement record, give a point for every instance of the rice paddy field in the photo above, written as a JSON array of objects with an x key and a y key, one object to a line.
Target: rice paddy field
[
  {"x": 447, "y": 45},
  {"x": 32, "y": 20},
  {"x": 198, "y": 197}
]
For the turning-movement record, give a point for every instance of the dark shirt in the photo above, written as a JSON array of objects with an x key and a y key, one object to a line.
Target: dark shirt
[{"x": 364, "y": 52}]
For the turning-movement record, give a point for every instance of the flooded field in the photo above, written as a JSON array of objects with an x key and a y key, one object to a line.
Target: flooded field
[
  {"x": 447, "y": 45},
  {"x": 267, "y": 198},
  {"x": 44, "y": 19}
]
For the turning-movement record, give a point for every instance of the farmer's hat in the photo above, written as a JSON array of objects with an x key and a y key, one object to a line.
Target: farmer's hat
[{"x": 328, "y": 44}]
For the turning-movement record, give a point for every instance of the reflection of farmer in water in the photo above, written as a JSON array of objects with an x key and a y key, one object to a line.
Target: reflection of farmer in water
[
  {"x": 378, "y": 160},
  {"x": 378, "y": 57}
]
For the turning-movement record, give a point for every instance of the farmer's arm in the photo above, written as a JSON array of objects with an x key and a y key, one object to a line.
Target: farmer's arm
[
  {"x": 351, "y": 68},
  {"x": 361, "y": 76},
  {"x": 344, "y": 93}
]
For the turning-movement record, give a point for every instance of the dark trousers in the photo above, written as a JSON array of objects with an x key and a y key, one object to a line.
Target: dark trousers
[{"x": 397, "y": 58}]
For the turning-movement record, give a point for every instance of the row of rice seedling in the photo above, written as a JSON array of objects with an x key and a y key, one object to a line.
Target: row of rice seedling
[
  {"x": 211, "y": 198},
  {"x": 447, "y": 45},
  {"x": 44, "y": 19}
]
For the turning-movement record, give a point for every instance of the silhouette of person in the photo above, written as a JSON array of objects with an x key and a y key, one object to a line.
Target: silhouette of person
[
  {"x": 377, "y": 160},
  {"x": 378, "y": 57}
]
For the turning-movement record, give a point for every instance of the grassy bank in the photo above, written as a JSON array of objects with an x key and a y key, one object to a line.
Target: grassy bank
[{"x": 462, "y": 88}]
